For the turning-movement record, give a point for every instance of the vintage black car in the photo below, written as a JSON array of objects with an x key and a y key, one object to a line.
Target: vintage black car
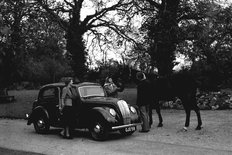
[{"x": 94, "y": 110}]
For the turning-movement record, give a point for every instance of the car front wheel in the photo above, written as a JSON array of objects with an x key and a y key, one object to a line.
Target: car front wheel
[
  {"x": 99, "y": 130},
  {"x": 41, "y": 124}
]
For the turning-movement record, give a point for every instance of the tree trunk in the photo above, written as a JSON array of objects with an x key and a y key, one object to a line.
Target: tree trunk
[
  {"x": 76, "y": 47},
  {"x": 165, "y": 58},
  {"x": 166, "y": 40}
]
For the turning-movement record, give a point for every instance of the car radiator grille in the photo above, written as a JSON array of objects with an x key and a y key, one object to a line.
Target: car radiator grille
[{"x": 125, "y": 111}]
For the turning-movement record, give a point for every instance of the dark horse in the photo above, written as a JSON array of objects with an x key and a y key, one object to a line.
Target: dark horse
[{"x": 181, "y": 85}]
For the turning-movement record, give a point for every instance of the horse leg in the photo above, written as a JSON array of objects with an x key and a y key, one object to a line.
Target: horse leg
[
  {"x": 150, "y": 115},
  {"x": 187, "y": 107},
  {"x": 159, "y": 115},
  {"x": 194, "y": 106},
  {"x": 187, "y": 120},
  {"x": 189, "y": 104},
  {"x": 197, "y": 110}
]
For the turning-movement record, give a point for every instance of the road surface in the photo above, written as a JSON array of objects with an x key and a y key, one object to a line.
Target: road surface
[{"x": 16, "y": 135}]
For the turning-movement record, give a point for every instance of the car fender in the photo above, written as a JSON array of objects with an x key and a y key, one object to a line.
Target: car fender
[
  {"x": 104, "y": 113},
  {"x": 35, "y": 112},
  {"x": 135, "y": 117}
]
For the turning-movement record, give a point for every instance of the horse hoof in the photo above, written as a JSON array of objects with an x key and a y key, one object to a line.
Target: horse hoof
[
  {"x": 160, "y": 125},
  {"x": 185, "y": 128},
  {"x": 198, "y": 128}
]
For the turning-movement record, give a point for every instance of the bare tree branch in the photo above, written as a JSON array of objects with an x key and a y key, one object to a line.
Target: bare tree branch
[
  {"x": 116, "y": 29},
  {"x": 54, "y": 16},
  {"x": 92, "y": 18},
  {"x": 153, "y": 3},
  {"x": 68, "y": 3}
]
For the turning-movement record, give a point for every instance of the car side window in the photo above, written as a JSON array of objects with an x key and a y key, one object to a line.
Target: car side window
[{"x": 49, "y": 93}]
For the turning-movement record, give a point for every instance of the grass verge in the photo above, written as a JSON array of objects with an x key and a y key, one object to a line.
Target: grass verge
[{"x": 24, "y": 100}]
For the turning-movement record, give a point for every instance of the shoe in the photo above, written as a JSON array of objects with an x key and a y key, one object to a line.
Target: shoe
[
  {"x": 144, "y": 131},
  {"x": 68, "y": 137},
  {"x": 61, "y": 133}
]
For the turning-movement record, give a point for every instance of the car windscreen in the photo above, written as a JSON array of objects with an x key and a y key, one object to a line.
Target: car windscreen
[{"x": 91, "y": 91}]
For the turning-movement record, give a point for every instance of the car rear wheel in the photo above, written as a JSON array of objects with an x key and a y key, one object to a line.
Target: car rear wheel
[
  {"x": 99, "y": 130},
  {"x": 41, "y": 124}
]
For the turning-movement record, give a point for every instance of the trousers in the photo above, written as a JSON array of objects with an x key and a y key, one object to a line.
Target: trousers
[{"x": 144, "y": 113}]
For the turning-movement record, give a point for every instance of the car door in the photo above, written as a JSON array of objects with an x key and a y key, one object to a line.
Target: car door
[{"x": 49, "y": 99}]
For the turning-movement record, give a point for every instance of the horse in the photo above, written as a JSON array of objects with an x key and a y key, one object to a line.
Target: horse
[{"x": 181, "y": 85}]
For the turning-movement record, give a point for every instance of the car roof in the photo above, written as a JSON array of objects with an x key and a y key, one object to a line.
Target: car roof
[{"x": 62, "y": 84}]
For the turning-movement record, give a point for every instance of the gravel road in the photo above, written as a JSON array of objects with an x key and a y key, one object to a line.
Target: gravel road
[{"x": 214, "y": 138}]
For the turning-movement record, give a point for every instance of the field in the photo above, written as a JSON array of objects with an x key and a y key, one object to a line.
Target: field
[{"x": 21, "y": 106}]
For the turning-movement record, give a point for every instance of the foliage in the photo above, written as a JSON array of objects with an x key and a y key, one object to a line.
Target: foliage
[
  {"x": 47, "y": 70},
  {"x": 41, "y": 39},
  {"x": 219, "y": 100},
  {"x": 118, "y": 72},
  {"x": 208, "y": 43},
  {"x": 202, "y": 34},
  {"x": 11, "y": 40},
  {"x": 215, "y": 100},
  {"x": 46, "y": 62},
  {"x": 160, "y": 27},
  {"x": 31, "y": 45}
]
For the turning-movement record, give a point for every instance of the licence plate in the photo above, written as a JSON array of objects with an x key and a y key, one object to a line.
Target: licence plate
[{"x": 129, "y": 129}]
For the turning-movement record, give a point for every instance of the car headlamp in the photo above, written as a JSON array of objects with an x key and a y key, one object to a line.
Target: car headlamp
[
  {"x": 112, "y": 112},
  {"x": 132, "y": 109}
]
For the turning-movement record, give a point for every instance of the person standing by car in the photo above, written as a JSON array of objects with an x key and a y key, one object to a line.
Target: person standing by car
[
  {"x": 66, "y": 107},
  {"x": 144, "y": 100},
  {"x": 110, "y": 87}
]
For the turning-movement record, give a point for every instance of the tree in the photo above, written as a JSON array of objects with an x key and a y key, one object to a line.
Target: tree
[
  {"x": 69, "y": 16},
  {"x": 174, "y": 26},
  {"x": 28, "y": 36},
  {"x": 12, "y": 13},
  {"x": 213, "y": 44},
  {"x": 46, "y": 60},
  {"x": 205, "y": 38},
  {"x": 162, "y": 28}
]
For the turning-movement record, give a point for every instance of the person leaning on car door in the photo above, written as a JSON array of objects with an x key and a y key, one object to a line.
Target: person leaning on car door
[
  {"x": 144, "y": 100},
  {"x": 66, "y": 108},
  {"x": 110, "y": 87}
]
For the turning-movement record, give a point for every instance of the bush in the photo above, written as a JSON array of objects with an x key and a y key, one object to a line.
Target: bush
[
  {"x": 215, "y": 100},
  {"x": 206, "y": 101}
]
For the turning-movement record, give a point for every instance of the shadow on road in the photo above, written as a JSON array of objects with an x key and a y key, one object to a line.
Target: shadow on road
[
  {"x": 4, "y": 151},
  {"x": 84, "y": 134}
]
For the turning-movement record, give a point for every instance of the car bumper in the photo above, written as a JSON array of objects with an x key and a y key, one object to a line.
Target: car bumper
[{"x": 125, "y": 126}]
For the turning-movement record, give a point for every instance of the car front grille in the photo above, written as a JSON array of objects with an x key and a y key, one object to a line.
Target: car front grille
[{"x": 125, "y": 111}]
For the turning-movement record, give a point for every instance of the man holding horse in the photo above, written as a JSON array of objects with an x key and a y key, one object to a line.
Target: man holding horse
[{"x": 144, "y": 100}]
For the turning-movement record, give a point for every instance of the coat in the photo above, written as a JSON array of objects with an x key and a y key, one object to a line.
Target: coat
[{"x": 144, "y": 93}]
